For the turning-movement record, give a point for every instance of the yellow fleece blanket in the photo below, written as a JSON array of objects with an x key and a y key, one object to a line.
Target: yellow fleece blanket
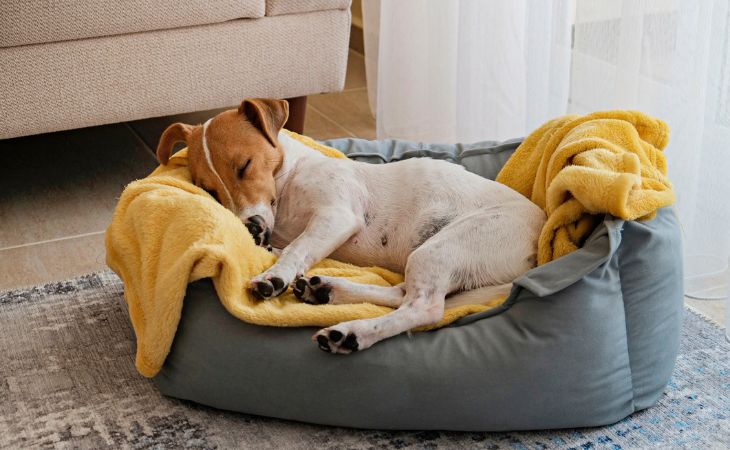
[
  {"x": 166, "y": 233},
  {"x": 577, "y": 168}
]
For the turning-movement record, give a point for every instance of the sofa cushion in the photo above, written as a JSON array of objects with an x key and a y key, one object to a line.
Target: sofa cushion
[
  {"x": 39, "y": 21},
  {"x": 279, "y": 7},
  {"x": 110, "y": 79}
]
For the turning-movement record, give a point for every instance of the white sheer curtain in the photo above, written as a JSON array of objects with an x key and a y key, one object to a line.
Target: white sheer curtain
[
  {"x": 465, "y": 70},
  {"x": 461, "y": 71},
  {"x": 671, "y": 59}
]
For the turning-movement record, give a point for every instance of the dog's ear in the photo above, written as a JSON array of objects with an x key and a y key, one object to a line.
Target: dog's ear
[
  {"x": 268, "y": 115},
  {"x": 177, "y": 132}
]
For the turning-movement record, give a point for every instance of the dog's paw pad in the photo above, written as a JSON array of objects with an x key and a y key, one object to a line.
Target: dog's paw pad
[
  {"x": 262, "y": 289},
  {"x": 323, "y": 343},
  {"x": 312, "y": 290},
  {"x": 335, "y": 336},
  {"x": 268, "y": 287},
  {"x": 349, "y": 343},
  {"x": 278, "y": 284},
  {"x": 334, "y": 341}
]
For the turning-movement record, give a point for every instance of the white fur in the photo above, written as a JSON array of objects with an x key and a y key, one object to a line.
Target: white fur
[
  {"x": 209, "y": 161},
  {"x": 447, "y": 229}
]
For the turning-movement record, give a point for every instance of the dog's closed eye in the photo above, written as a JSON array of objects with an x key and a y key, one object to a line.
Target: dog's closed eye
[{"x": 241, "y": 172}]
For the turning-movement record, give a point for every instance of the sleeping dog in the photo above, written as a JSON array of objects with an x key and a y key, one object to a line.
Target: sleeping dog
[{"x": 448, "y": 230}]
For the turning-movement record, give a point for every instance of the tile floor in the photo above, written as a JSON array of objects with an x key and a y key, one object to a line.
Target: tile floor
[{"x": 58, "y": 190}]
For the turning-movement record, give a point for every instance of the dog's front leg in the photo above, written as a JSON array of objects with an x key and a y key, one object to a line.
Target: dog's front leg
[{"x": 326, "y": 231}]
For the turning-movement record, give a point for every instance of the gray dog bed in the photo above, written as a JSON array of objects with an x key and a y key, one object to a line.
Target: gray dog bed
[{"x": 584, "y": 340}]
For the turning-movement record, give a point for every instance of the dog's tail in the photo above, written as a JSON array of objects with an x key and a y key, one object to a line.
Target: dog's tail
[{"x": 480, "y": 296}]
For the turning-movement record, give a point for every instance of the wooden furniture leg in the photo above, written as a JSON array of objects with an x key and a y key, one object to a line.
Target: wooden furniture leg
[{"x": 297, "y": 110}]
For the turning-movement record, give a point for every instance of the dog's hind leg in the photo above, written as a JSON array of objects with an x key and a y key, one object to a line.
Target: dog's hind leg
[
  {"x": 462, "y": 255},
  {"x": 319, "y": 290},
  {"x": 426, "y": 286},
  {"x": 420, "y": 307}
]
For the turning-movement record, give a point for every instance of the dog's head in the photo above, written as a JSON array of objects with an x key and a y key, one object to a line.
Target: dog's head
[{"x": 234, "y": 157}]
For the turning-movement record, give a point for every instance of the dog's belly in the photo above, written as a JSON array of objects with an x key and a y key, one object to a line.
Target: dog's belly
[
  {"x": 376, "y": 246},
  {"x": 373, "y": 245},
  {"x": 412, "y": 200},
  {"x": 407, "y": 203}
]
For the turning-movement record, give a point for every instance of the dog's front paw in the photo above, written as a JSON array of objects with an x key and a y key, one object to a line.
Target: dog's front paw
[
  {"x": 312, "y": 290},
  {"x": 266, "y": 286},
  {"x": 260, "y": 232}
]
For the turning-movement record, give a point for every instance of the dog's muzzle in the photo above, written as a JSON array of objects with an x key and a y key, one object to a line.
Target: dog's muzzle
[{"x": 258, "y": 229}]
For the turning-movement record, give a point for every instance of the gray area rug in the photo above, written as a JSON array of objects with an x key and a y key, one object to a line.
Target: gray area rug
[{"x": 67, "y": 380}]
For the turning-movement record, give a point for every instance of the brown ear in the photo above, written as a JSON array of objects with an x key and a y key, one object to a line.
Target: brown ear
[
  {"x": 177, "y": 132},
  {"x": 268, "y": 115}
]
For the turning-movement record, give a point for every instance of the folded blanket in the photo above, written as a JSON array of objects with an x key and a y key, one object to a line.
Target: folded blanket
[
  {"x": 578, "y": 168},
  {"x": 166, "y": 233}
]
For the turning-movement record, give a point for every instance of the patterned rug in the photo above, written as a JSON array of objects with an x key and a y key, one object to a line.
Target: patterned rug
[{"x": 67, "y": 380}]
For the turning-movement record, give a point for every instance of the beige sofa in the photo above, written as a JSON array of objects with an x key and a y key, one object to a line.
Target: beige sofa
[{"x": 71, "y": 64}]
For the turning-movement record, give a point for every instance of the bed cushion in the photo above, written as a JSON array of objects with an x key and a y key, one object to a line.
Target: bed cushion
[{"x": 584, "y": 340}]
